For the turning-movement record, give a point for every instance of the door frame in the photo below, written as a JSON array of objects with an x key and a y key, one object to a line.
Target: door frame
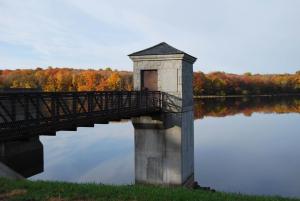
[{"x": 142, "y": 78}]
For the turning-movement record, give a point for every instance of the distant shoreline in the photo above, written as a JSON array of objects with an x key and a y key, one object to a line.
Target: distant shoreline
[{"x": 243, "y": 96}]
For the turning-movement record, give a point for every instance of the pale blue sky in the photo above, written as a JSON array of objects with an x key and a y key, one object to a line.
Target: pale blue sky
[{"x": 261, "y": 36}]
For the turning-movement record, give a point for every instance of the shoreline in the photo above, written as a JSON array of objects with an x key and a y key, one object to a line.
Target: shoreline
[{"x": 244, "y": 96}]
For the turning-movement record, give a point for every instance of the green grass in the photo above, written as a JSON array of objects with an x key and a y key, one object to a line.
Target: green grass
[{"x": 53, "y": 191}]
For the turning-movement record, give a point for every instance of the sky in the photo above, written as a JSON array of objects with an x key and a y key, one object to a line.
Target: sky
[{"x": 237, "y": 36}]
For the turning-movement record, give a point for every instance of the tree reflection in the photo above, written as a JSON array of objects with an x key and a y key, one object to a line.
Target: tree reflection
[{"x": 221, "y": 107}]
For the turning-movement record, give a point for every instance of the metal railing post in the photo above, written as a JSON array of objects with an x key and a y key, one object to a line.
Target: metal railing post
[
  {"x": 129, "y": 101},
  {"x": 38, "y": 108},
  {"x": 146, "y": 96},
  {"x": 119, "y": 101},
  {"x": 90, "y": 102},
  {"x": 74, "y": 106},
  {"x": 105, "y": 102},
  {"x": 13, "y": 108},
  {"x": 26, "y": 107},
  {"x": 53, "y": 107}
]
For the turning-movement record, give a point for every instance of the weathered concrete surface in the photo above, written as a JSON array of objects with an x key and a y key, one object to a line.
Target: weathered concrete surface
[
  {"x": 163, "y": 155},
  {"x": 175, "y": 74},
  {"x": 157, "y": 154},
  {"x": 164, "y": 145},
  {"x": 9, "y": 173}
]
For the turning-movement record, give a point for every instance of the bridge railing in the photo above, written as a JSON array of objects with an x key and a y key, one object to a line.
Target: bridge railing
[{"x": 22, "y": 111}]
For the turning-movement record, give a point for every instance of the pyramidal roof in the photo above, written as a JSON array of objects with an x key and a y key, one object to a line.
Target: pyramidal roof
[{"x": 160, "y": 49}]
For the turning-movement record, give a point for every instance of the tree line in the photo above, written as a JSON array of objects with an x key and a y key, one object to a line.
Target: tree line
[
  {"x": 215, "y": 83},
  {"x": 220, "y": 83},
  {"x": 67, "y": 79}
]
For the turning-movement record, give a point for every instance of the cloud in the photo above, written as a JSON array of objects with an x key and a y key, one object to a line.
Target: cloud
[{"x": 231, "y": 35}]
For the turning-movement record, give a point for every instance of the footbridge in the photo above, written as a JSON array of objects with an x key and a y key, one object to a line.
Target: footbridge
[
  {"x": 160, "y": 109},
  {"x": 25, "y": 114}
]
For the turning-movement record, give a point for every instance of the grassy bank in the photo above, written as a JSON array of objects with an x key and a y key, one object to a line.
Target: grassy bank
[{"x": 53, "y": 191}]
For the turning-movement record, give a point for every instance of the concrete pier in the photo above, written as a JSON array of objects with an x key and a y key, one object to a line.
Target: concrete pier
[
  {"x": 23, "y": 158},
  {"x": 164, "y": 144},
  {"x": 8, "y": 172}
]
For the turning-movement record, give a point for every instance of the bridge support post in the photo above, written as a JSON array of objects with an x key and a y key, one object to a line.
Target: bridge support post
[
  {"x": 164, "y": 144},
  {"x": 21, "y": 158}
]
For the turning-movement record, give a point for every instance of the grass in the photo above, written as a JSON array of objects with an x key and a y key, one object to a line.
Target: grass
[{"x": 61, "y": 191}]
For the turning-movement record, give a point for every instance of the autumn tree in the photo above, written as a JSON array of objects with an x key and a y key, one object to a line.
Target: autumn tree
[
  {"x": 113, "y": 81},
  {"x": 215, "y": 83}
]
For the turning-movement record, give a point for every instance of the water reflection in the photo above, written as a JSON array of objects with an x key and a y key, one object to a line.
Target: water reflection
[
  {"x": 164, "y": 154},
  {"x": 256, "y": 155},
  {"x": 221, "y": 107}
]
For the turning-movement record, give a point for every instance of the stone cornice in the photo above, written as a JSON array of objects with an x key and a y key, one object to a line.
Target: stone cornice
[{"x": 184, "y": 57}]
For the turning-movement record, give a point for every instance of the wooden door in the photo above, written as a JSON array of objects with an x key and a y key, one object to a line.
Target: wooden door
[{"x": 149, "y": 80}]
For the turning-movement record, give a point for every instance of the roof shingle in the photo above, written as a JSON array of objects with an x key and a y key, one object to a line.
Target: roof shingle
[{"x": 159, "y": 49}]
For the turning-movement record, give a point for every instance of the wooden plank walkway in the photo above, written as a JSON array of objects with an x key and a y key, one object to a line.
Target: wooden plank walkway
[{"x": 43, "y": 113}]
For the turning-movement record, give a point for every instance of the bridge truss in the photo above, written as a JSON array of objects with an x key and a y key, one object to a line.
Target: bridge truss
[{"x": 43, "y": 113}]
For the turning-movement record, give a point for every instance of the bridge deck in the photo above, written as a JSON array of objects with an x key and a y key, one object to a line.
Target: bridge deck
[{"x": 44, "y": 113}]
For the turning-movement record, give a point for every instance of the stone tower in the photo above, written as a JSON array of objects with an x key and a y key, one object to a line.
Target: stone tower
[{"x": 164, "y": 144}]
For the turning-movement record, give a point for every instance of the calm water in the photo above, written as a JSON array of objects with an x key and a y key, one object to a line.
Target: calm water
[{"x": 241, "y": 145}]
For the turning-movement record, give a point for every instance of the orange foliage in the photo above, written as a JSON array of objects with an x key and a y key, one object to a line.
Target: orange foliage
[
  {"x": 66, "y": 79},
  {"x": 220, "y": 83},
  {"x": 216, "y": 83}
]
